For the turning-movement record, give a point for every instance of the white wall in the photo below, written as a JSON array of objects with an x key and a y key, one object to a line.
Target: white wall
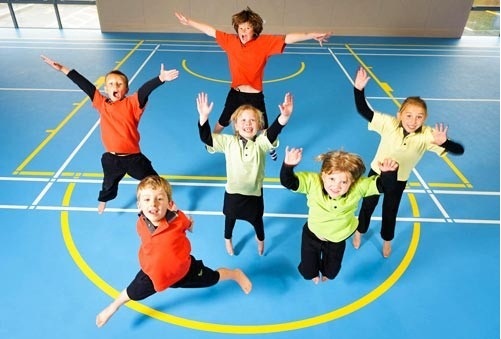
[{"x": 416, "y": 18}]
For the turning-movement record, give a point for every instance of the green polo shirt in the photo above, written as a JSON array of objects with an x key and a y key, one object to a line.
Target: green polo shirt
[
  {"x": 244, "y": 163},
  {"x": 333, "y": 219},
  {"x": 406, "y": 150}
]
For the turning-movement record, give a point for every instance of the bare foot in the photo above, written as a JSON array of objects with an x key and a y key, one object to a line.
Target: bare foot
[
  {"x": 229, "y": 246},
  {"x": 324, "y": 279},
  {"x": 242, "y": 280},
  {"x": 386, "y": 248},
  {"x": 260, "y": 246},
  {"x": 316, "y": 280},
  {"x": 357, "y": 240},
  {"x": 105, "y": 314},
  {"x": 101, "y": 207}
]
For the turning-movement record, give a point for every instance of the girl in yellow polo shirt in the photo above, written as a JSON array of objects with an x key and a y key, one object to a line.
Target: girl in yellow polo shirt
[
  {"x": 332, "y": 197},
  {"x": 245, "y": 162},
  {"x": 404, "y": 138}
]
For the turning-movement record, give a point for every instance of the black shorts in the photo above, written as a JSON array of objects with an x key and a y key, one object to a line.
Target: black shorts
[
  {"x": 198, "y": 276},
  {"x": 236, "y": 99}
]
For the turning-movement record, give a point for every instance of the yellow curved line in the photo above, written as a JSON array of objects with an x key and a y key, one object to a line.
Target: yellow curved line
[
  {"x": 187, "y": 69},
  {"x": 236, "y": 329}
]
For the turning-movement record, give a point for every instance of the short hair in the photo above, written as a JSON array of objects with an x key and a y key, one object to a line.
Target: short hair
[
  {"x": 241, "y": 109},
  {"x": 120, "y": 74},
  {"x": 248, "y": 15},
  {"x": 417, "y": 101},
  {"x": 342, "y": 161},
  {"x": 154, "y": 182}
]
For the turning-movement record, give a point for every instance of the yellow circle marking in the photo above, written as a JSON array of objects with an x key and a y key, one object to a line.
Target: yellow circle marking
[
  {"x": 239, "y": 329},
  {"x": 299, "y": 71}
]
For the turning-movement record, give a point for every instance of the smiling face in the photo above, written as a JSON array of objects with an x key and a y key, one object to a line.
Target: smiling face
[
  {"x": 412, "y": 114},
  {"x": 116, "y": 86},
  {"x": 247, "y": 121},
  {"x": 336, "y": 184}
]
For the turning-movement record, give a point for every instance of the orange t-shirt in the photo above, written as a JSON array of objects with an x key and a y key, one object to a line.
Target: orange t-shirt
[
  {"x": 247, "y": 61},
  {"x": 164, "y": 255},
  {"x": 119, "y": 123}
]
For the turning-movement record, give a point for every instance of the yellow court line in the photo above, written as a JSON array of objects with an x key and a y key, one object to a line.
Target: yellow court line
[
  {"x": 388, "y": 90},
  {"x": 187, "y": 69},
  {"x": 237, "y": 329},
  {"x": 53, "y": 132}
]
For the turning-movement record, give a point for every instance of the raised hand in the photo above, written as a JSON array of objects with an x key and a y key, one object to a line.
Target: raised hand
[
  {"x": 293, "y": 156},
  {"x": 388, "y": 165},
  {"x": 440, "y": 134},
  {"x": 57, "y": 66},
  {"x": 321, "y": 37},
  {"x": 286, "y": 109},
  {"x": 182, "y": 19},
  {"x": 361, "y": 79},
  {"x": 203, "y": 107},
  {"x": 168, "y": 75}
]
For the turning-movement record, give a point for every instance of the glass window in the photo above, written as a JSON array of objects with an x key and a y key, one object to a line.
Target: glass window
[{"x": 483, "y": 18}]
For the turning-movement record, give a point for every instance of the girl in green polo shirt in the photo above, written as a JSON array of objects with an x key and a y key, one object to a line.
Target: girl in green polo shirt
[
  {"x": 332, "y": 197},
  {"x": 404, "y": 138}
]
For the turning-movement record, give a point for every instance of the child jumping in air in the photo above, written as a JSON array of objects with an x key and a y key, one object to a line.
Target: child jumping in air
[
  {"x": 120, "y": 115},
  {"x": 332, "y": 196},
  {"x": 165, "y": 251},
  {"x": 245, "y": 154},
  {"x": 404, "y": 138},
  {"x": 248, "y": 51}
]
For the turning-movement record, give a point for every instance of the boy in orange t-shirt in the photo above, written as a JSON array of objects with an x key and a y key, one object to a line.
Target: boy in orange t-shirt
[
  {"x": 120, "y": 115},
  {"x": 247, "y": 52},
  {"x": 165, "y": 251}
]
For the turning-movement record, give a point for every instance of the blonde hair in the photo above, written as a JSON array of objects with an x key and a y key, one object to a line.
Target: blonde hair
[
  {"x": 154, "y": 182},
  {"x": 259, "y": 115},
  {"x": 416, "y": 101},
  {"x": 341, "y": 161},
  {"x": 248, "y": 15}
]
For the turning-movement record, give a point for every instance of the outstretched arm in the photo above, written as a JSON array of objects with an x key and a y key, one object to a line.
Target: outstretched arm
[
  {"x": 204, "y": 109},
  {"x": 57, "y": 66},
  {"x": 82, "y": 82},
  {"x": 285, "y": 112},
  {"x": 287, "y": 177},
  {"x": 360, "y": 82},
  {"x": 204, "y": 28},
  {"x": 292, "y": 38}
]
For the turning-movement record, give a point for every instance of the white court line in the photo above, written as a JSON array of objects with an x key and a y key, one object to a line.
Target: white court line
[{"x": 219, "y": 213}]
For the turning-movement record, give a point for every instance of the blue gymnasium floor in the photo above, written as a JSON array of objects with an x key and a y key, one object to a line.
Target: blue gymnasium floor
[{"x": 62, "y": 262}]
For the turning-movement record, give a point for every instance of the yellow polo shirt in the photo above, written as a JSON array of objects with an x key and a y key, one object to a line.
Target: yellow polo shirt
[
  {"x": 244, "y": 163},
  {"x": 406, "y": 150}
]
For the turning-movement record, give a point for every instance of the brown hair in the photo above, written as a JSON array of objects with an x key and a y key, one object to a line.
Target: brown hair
[
  {"x": 120, "y": 74},
  {"x": 341, "y": 161},
  {"x": 154, "y": 182},
  {"x": 247, "y": 15},
  {"x": 417, "y": 101},
  {"x": 241, "y": 109}
]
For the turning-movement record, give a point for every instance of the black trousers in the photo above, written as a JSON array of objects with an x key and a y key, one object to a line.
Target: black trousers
[
  {"x": 391, "y": 203},
  {"x": 319, "y": 256},
  {"x": 115, "y": 167}
]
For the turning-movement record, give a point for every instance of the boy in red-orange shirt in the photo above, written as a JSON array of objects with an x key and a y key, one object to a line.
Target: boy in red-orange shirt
[
  {"x": 120, "y": 115},
  {"x": 165, "y": 252},
  {"x": 248, "y": 51}
]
